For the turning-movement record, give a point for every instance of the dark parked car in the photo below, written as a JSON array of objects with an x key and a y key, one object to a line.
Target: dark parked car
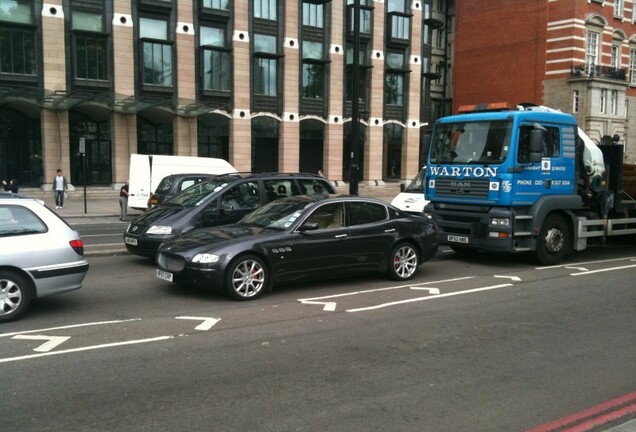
[
  {"x": 300, "y": 238},
  {"x": 172, "y": 184},
  {"x": 221, "y": 200}
]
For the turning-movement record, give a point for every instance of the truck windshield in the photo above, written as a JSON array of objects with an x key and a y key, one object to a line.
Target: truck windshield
[{"x": 471, "y": 142}]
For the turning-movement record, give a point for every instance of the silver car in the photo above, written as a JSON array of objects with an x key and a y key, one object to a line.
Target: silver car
[{"x": 40, "y": 255}]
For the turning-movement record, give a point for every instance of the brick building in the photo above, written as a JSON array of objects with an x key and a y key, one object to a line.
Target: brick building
[
  {"x": 264, "y": 84},
  {"x": 575, "y": 55}
]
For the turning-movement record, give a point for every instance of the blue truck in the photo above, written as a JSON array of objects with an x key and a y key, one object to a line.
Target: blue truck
[{"x": 524, "y": 179}]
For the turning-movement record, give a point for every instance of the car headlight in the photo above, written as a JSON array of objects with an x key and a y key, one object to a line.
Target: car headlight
[
  {"x": 205, "y": 258},
  {"x": 500, "y": 221},
  {"x": 158, "y": 229}
]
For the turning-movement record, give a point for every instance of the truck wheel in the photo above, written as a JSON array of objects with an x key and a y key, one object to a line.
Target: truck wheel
[
  {"x": 554, "y": 241},
  {"x": 15, "y": 296}
]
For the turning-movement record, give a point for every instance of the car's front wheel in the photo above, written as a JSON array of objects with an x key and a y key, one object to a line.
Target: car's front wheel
[
  {"x": 15, "y": 295},
  {"x": 247, "y": 278},
  {"x": 403, "y": 262}
]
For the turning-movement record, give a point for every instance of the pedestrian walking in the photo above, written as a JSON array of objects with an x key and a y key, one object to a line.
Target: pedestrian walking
[
  {"x": 123, "y": 201},
  {"x": 10, "y": 186},
  {"x": 59, "y": 186}
]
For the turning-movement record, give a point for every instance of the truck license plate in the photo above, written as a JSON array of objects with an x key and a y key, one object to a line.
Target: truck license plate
[
  {"x": 164, "y": 275},
  {"x": 131, "y": 241},
  {"x": 458, "y": 239}
]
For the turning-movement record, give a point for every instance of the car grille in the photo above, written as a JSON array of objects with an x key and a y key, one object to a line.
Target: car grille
[
  {"x": 136, "y": 229},
  {"x": 170, "y": 262}
]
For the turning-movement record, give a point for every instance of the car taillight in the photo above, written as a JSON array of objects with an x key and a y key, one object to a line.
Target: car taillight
[{"x": 78, "y": 246}]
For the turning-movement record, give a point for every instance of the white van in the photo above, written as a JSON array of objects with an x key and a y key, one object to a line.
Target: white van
[
  {"x": 146, "y": 171},
  {"x": 412, "y": 199}
]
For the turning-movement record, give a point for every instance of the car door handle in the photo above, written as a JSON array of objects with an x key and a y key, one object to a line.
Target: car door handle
[
  {"x": 389, "y": 230},
  {"x": 341, "y": 235}
]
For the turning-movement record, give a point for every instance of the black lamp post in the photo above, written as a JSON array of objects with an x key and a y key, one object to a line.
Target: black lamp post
[{"x": 355, "y": 107}]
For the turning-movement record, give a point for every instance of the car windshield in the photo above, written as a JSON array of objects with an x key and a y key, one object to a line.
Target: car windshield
[
  {"x": 417, "y": 184},
  {"x": 194, "y": 195},
  {"x": 471, "y": 142},
  {"x": 279, "y": 214}
]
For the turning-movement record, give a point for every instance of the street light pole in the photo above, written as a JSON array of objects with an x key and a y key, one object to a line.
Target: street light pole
[{"x": 355, "y": 106}]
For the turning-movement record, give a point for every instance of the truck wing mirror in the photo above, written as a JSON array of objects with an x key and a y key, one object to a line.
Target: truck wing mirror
[{"x": 537, "y": 136}]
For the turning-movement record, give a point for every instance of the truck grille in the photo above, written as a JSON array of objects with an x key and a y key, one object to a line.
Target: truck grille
[{"x": 468, "y": 187}]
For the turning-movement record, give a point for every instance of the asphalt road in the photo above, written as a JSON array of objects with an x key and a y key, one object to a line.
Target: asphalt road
[{"x": 489, "y": 343}]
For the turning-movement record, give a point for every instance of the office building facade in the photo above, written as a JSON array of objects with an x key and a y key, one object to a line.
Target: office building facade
[{"x": 266, "y": 84}]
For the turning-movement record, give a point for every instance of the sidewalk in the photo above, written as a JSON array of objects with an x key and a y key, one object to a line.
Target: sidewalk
[{"x": 77, "y": 210}]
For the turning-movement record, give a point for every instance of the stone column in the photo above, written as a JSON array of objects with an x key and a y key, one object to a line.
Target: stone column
[
  {"x": 185, "y": 127},
  {"x": 334, "y": 131}
]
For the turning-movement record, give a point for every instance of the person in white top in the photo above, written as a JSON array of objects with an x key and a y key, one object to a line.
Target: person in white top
[{"x": 59, "y": 186}]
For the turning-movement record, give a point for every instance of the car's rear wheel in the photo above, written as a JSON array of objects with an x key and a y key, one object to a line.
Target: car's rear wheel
[
  {"x": 247, "y": 278},
  {"x": 403, "y": 262},
  {"x": 15, "y": 295}
]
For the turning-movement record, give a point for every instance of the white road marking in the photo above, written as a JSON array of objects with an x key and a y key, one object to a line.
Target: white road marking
[
  {"x": 53, "y": 341},
  {"x": 602, "y": 270},
  {"x": 583, "y": 269},
  {"x": 413, "y": 300},
  {"x": 430, "y": 290},
  {"x": 207, "y": 323},
  {"x": 69, "y": 327},
  {"x": 514, "y": 278},
  {"x": 586, "y": 262},
  {"x": 87, "y": 348},
  {"x": 331, "y": 306}
]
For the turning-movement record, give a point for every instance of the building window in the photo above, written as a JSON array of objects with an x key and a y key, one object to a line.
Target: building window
[
  {"x": 618, "y": 8},
  {"x": 399, "y": 20},
  {"x": 394, "y": 79},
  {"x": 363, "y": 71},
  {"x": 632, "y": 67},
  {"x": 265, "y": 9},
  {"x": 216, "y": 4},
  {"x": 156, "y": 51},
  {"x": 313, "y": 14},
  {"x": 616, "y": 56},
  {"x": 216, "y": 61},
  {"x": 313, "y": 70},
  {"x": 603, "y": 101},
  {"x": 439, "y": 38},
  {"x": 614, "y": 102},
  {"x": 591, "y": 52},
  {"x": 265, "y": 65},
  {"x": 17, "y": 43},
  {"x": 90, "y": 46},
  {"x": 575, "y": 101},
  {"x": 366, "y": 10}
]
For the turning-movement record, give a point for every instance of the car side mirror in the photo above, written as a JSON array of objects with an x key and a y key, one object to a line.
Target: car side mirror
[
  {"x": 309, "y": 226},
  {"x": 402, "y": 187}
]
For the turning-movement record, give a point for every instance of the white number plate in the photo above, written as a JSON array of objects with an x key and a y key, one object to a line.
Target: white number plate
[
  {"x": 164, "y": 275},
  {"x": 458, "y": 239},
  {"x": 131, "y": 241}
]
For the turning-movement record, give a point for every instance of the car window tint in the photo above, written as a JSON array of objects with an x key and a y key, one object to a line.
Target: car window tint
[
  {"x": 243, "y": 196},
  {"x": 361, "y": 213},
  {"x": 327, "y": 216},
  {"x": 16, "y": 220},
  {"x": 279, "y": 188},
  {"x": 314, "y": 187}
]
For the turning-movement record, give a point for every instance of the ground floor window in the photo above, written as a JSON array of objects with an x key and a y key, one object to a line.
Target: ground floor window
[
  {"x": 154, "y": 138},
  {"x": 393, "y": 139},
  {"x": 348, "y": 150},
  {"x": 95, "y": 165},
  {"x": 312, "y": 137},
  {"x": 21, "y": 149},
  {"x": 265, "y": 133},
  {"x": 213, "y": 136}
]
